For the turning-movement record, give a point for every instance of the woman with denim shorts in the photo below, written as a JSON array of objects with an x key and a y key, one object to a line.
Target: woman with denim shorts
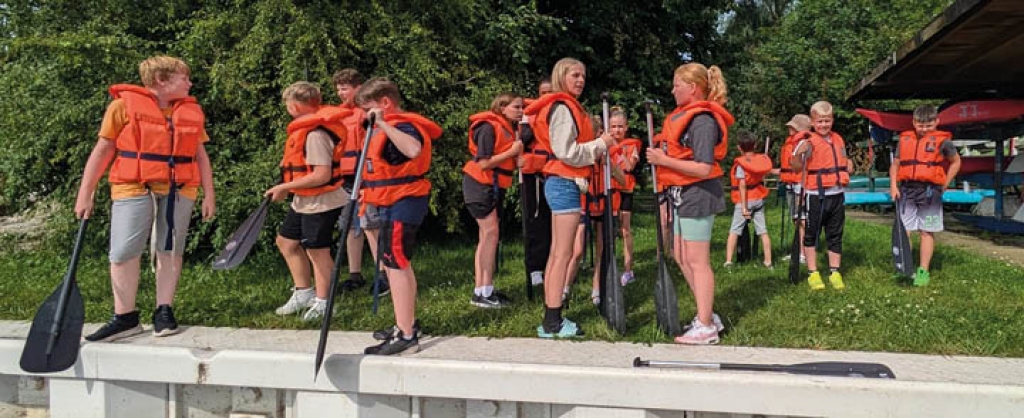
[{"x": 564, "y": 129}]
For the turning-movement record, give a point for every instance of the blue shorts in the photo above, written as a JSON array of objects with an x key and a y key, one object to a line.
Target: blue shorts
[{"x": 563, "y": 195}]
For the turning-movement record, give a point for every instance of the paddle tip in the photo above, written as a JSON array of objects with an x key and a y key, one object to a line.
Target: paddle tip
[{"x": 637, "y": 362}]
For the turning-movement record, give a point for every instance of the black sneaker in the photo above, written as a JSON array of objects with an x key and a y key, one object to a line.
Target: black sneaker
[
  {"x": 501, "y": 297},
  {"x": 355, "y": 281},
  {"x": 163, "y": 322},
  {"x": 397, "y": 345},
  {"x": 389, "y": 333},
  {"x": 492, "y": 301},
  {"x": 385, "y": 287},
  {"x": 119, "y": 326}
]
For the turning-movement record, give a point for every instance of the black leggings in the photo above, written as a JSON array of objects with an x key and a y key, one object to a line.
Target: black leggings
[
  {"x": 830, "y": 214},
  {"x": 538, "y": 222}
]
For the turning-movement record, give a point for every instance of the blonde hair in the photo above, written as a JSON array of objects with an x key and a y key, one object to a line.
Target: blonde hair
[
  {"x": 821, "y": 108},
  {"x": 161, "y": 68},
  {"x": 376, "y": 88},
  {"x": 617, "y": 111},
  {"x": 302, "y": 92},
  {"x": 709, "y": 79},
  {"x": 502, "y": 100},
  {"x": 562, "y": 67}
]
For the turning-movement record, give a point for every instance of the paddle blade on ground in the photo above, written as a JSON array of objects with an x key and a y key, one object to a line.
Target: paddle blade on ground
[
  {"x": 828, "y": 368},
  {"x": 743, "y": 247},
  {"x": 902, "y": 253},
  {"x": 242, "y": 240},
  {"x": 56, "y": 333}
]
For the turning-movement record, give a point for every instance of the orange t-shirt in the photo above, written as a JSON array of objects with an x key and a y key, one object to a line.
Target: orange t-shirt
[{"x": 114, "y": 121}]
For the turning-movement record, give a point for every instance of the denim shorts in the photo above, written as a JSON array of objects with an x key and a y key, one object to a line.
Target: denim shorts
[{"x": 563, "y": 195}]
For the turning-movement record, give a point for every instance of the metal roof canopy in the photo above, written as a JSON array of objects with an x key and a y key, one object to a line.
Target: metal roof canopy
[{"x": 974, "y": 49}]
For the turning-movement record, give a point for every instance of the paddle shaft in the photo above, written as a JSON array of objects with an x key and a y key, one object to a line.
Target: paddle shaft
[
  {"x": 611, "y": 292},
  {"x": 325, "y": 322},
  {"x": 665, "y": 301},
  {"x": 522, "y": 204},
  {"x": 849, "y": 369},
  {"x": 65, "y": 289}
]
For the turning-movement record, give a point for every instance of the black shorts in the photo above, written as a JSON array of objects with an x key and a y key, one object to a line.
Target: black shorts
[
  {"x": 625, "y": 202},
  {"x": 480, "y": 198},
  {"x": 311, "y": 230},
  {"x": 398, "y": 244}
]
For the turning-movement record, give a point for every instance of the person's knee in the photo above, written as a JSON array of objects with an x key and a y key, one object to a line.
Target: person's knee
[{"x": 287, "y": 245}]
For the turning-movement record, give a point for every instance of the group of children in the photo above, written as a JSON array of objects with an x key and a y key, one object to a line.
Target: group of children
[{"x": 152, "y": 139}]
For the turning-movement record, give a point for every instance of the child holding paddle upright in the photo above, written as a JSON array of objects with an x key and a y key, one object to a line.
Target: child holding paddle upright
[
  {"x": 748, "y": 193},
  {"x": 918, "y": 176},
  {"x": 823, "y": 155},
  {"x": 347, "y": 82},
  {"x": 395, "y": 197},
  {"x": 154, "y": 135},
  {"x": 312, "y": 173}
]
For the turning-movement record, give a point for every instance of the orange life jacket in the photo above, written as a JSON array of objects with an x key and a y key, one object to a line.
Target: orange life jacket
[
  {"x": 828, "y": 160},
  {"x": 593, "y": 200},
  {"x": 754, "y": 168},
  {"x": 540, "y": 112},
  {"x": 153, "y": 148},
  {"x": 675, "y": 126},
  {"x": 504, "y": 137},
  {"x": 384, "y": 184},
  {"x": 293, "y": 164},
  {"x": 786, "y": 172},
  {"x": 620, "y": 152},
  {"x": 921, "y": 159},
  {"x": 534, "y": 158},
  {"x": 354, "y": 143}
]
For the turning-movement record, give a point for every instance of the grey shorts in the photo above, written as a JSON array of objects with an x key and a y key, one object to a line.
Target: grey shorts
[
  {"x": 793, "y": 204},
  {"x": 922, "y": 217},
  {"x": 131, "y": 222},
  {"x": 738, "y": 221},
  {"x": 373, "y": 218}
]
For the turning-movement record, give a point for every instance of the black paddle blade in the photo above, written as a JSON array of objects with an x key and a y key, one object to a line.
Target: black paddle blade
[
  {"x": 242, "y": 240},
  {"x": 743, "y": 248},
  {"x": 666, "y": 304},
  {"x": 612, "y": 301},
  {"x": 827, "y": 368},
  {"x": 902, "y": 254},
  {"x": 794, "y": 256},
  {"x": 66, "y": 341}
]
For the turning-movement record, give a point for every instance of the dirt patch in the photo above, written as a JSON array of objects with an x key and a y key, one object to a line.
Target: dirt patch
[{"x": 1005, "y": 248}]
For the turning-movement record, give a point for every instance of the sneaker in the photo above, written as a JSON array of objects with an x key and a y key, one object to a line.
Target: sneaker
[
  {"x": 492, "y": 301},
  {"x": 536, "y": 278},
  {"x": 595, "y": 298},
  {"x": 922, "y": 277},
  {"x": 568, "y": 329},
  {"x": 396, "y": 345},
  {"x": 301, "y": 299},
  {"x": 163, "y": 322},
  {"x": 699, "y": 334},
  {"x": 727, "y": 264},
  {"x": 814, "y": 280},
  {"x": 316, "y": 310},
  {"x": 803, "y": 259},
  {"x": 385, "y": 287},
  {"x": 769, "y": 266},
  {"x": 389, "y": 333},
  {"x": 627, "y": 278},
  {"x": 836, "y": 280},
  {"x": 715, "y": 319},
  {"x": 354, "y": 281},
  {"x": 119, "y": 326}
]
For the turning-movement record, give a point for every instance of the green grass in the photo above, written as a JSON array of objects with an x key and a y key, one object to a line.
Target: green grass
[{"x": 974, "y": 305}]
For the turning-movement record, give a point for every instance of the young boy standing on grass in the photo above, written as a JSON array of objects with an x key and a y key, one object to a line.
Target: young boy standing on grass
[
  {"x": 154, "y": 135},
  {"x": 312, "y": 173},
  {"x": 347, "y": 82},
  {"x": 395, "y": 196},
  {"x": 799, "y": 127},
  {"x": 918, "y": 176},
  {"x": 748, "y": 193},
  {"x": 823, "y": 155}
]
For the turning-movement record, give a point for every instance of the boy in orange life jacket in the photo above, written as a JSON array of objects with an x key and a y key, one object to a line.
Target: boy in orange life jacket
[
  {"x": 799, "y": 128},
  {"x": 316, "y": 137},
  {"x": 347, "y": 82},
  {"x": 135, "y": 136},
  {"x": 625, "y": 154},
  {"x": 536, "y": 212},
  {"x": 748, "y": 193},
  {"x": 395, "y": 197},
  {"x": 823, "y": 155},
  {"x": 920, "y": 179},
  {"x": 493, "y": 146}
]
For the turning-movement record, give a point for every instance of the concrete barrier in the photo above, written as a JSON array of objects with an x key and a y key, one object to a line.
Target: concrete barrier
[{"x": 236, "y": 373}]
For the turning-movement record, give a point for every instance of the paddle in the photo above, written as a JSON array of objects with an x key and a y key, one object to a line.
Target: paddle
[
  {"x": 902, "y": 253},
  {"x": 346, "y": 221},
  {"x": 796, "y": 246},
  {"x": 666, "y": 304},
  {"x": 242, "y": 239},
  {"x": 611, "y": 292},
  {"x": 522, "y": 203},
  {"x": 827, "y": 368},
  {"x": 56, "y": 333},
  {"x": 744, "y": 250}
]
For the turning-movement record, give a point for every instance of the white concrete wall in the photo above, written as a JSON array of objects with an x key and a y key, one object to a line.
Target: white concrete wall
[{"x": 140, "y": 381}]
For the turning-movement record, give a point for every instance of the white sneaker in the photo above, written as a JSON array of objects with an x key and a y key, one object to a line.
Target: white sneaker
[
  {"x": 717, "y": 320},
  {"x": 699, "y": 334},
  {"x": 537, "y": 278},
  {"x": 301, "y": 299},
  {"x": 316, "y": 310}
]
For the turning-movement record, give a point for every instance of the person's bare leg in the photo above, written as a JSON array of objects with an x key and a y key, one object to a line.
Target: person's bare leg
[
  {"x": 297, "y": 261},
  {"x": 124, "y": 281},
  {"x": 627, "y": 240},
  {"x": 486, "y": 250},
  {"x": 730, "y": 246},
  {"x": 563, "y": 228},
  {"x": 698, "y": 256},
  {"x": 927, "y": 249},
  {"x": 168, "y": 272},
  {"x": 323, "y": 266},
  {"x": 354, "y": 250},
  {"x": 403, "y": 296}
]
